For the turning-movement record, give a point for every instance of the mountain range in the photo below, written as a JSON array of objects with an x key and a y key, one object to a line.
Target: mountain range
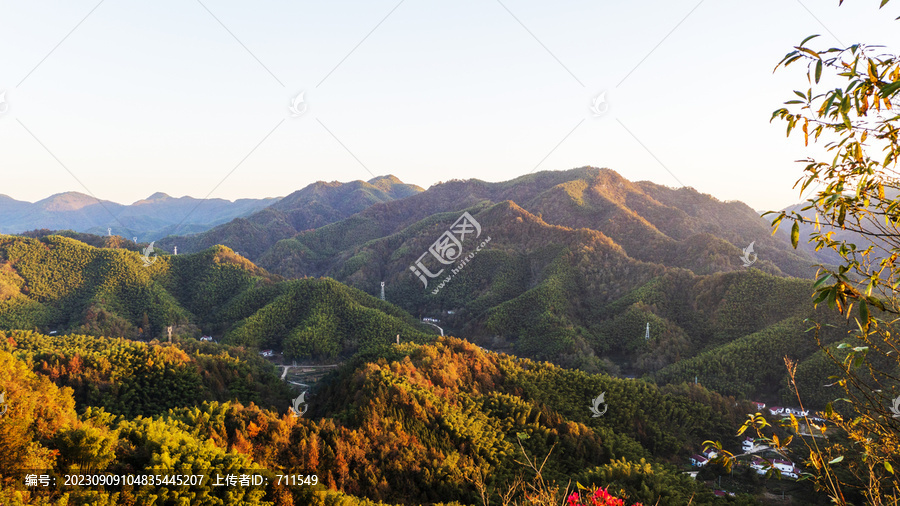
[
  {"x": 576, "y": 267},
  {"x": 149, "y": 219},
  {"x": 563, "y": 291}
]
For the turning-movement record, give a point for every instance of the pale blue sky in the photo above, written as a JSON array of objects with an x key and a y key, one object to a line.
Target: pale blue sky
[{"x": 159, "y": 96}]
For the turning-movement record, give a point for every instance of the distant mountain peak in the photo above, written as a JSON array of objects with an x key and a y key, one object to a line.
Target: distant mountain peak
[
  {"x": 67, "y": 201},
  {"x": 390, "y": 178}
]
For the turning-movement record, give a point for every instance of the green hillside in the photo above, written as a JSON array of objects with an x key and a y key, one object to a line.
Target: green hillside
[{"x": 59, "y": 284}]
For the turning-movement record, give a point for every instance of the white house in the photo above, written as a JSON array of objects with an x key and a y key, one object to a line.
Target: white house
[
  {"x": 710, "y": 453},
  {"x": 699, "y": 460},
  {"x": 787, "y": 468},
  {"x": 776, "y": 410},
  {"x": 266, "y": 353},
  {"x": 761, "y": 466},
  {"x": 758, "y": 405},
  {"x": 797, "y": 411},
  {"x": 783, "y": 465},
  {"x": 206, "y": 338},
  {"x": 748, "y": 444}
]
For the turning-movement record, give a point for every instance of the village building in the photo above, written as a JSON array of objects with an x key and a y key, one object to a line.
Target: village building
[{"x": 699, "y": 460}]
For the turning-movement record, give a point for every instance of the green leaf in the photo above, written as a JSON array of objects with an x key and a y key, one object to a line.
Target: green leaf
[
  {"x": 818, "y": 70},
  {"x": 795, "y": 234},
  {"x": 889, "y": 89},
  {"x": 811, "y": 37},
  {"x": 887, "y": 465},
  {"x": 836, "y": 460}
]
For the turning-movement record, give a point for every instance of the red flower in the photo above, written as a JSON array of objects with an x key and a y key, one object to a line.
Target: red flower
[{"x": 600, "y": 497}]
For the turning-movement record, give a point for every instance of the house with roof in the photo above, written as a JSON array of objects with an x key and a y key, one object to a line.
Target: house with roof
[
  {"x": 266, "y": 353},
  {"x": 748, "y": 444},
  {"x": 758, "y": 405},
  {"x": 776, "y": 410},
  {"x": 699, "y": 460},
  {"x": 787, "y": 468},
  {"x": 761, "y": 465}
]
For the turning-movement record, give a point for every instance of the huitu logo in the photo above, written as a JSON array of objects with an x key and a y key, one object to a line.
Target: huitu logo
[
  {"x": 3, "y": 105},
  {"x": 895, "y": 409},
  {"x": 448, "y": 248},
  {"x": 599, "y": 106},
  {"x": 749, "y": 256},
  {"x": 298, "y": 106},
  {"x": 300, "y": 406},
  {"x": 3, "y": 406},
  {"x": 595, "y": 407},
  {"x": 148, "y": 256}
]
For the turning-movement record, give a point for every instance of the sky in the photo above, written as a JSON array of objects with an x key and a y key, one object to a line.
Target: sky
[{"x": 120, "y": 99}]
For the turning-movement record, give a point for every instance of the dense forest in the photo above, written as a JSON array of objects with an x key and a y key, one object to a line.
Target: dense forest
[{"x": 417, "y": 424}]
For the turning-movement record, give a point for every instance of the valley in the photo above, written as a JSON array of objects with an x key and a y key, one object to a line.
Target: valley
[{"x": 558, "y": 307}]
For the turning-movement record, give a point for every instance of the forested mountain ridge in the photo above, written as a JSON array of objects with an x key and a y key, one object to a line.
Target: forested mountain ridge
[
  {"x": 575, "y": 296},
  {"x": 674, "y": 227},
  {"x": 316, "y": 205}
]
